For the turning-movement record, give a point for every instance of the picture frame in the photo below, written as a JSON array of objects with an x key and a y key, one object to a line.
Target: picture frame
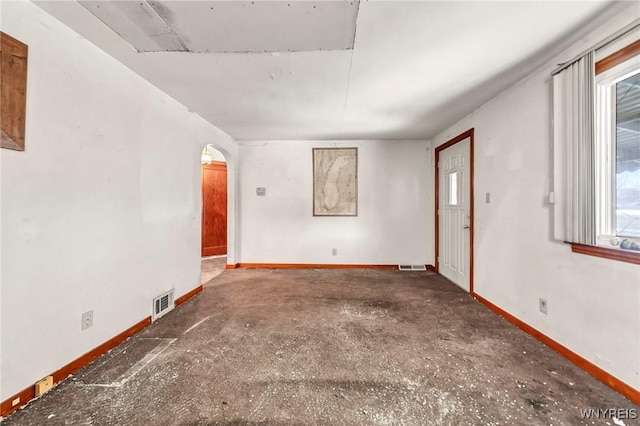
[{"x": 335, "y": 181}]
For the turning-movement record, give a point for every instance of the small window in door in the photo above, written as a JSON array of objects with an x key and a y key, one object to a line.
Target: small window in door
[{"x": 453, "y": 188}]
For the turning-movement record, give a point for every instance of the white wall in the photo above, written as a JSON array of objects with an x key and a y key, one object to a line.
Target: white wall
[
  {"x": 102, "y": 210},
  {"x": 215, "y": 154},
  {"x": 593, "y": 303},
  {"x": 391, "y": 226}
]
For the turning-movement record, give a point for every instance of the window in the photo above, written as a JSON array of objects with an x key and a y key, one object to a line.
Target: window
[
  {"x": 617, "y": 144},
  {"x": 453, "y": 189},
  {"x": 596, "y": 150},
  {"x": 628, "y": 156}
]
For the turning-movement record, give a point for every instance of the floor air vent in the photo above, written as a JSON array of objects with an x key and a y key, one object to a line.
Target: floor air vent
[
  {"x": 162, "y": 304},
  {"x": 412, "y": 268}
]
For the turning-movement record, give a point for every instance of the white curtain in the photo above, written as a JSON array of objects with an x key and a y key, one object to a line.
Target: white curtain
[{"x": 573, "y": 152}]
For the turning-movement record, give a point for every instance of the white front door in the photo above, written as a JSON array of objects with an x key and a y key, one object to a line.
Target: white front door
[{"x": 454, "y": 216}]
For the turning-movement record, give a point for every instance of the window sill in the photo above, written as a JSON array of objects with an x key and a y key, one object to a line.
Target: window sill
[{"x": 607, "y": 253}]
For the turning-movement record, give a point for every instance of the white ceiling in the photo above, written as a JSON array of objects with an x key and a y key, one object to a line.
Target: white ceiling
[
  {"x": 415, "y": 67},
  {"x": 230, "y": 26}
]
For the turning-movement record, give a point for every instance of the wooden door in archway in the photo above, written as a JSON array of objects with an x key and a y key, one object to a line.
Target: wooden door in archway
[{"x": 214, "y": 209}]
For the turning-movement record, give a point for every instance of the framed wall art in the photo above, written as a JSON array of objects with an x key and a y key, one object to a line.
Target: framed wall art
[{"x": 335, "y": 181}]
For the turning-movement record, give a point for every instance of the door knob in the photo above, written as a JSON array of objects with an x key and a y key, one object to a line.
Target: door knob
[{"x": 466, "y": 227}]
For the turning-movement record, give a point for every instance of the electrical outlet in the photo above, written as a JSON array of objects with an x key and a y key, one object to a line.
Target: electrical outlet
[
  {"x": 543, "y": 306},
  {"x": 87, "y": 320},
  {"x": 334, "y": 252},
  {"x": 15, "y": 402}
]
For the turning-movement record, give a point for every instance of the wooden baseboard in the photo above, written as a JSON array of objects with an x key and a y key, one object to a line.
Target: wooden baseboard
[
  {"x": 311, "y": 266},
  {"x": 26, "y": 395},
  {"x": 180, "y": 300},
  {"x": 597, "y": 372},
  {"x": 315, "y": 266}
]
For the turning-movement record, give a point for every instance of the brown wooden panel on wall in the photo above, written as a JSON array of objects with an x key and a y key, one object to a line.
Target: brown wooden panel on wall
[
  {"x": 13, "y": 88},
  {"x": 214, "y": 209}
]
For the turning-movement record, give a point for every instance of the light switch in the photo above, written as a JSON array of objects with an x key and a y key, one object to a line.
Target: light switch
[
  {"x": 487, "y": 198},
  {"x": 261, "y": 192}
]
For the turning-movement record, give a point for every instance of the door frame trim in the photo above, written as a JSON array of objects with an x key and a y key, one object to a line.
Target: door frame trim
[{"x": 468, "y": 134}]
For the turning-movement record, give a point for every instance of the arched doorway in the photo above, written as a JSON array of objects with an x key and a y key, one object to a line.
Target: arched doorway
[{"x": 214, "y": 242}]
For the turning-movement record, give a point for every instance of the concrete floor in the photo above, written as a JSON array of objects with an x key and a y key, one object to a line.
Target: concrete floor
[{"x": 327, "y": 347}]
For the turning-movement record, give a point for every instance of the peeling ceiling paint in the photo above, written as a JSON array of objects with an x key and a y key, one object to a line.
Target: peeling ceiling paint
[
  {"x": 230, "y": 26},
  {"x": 137, "y": 23},
  {"x": 416, "y": 67}
]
